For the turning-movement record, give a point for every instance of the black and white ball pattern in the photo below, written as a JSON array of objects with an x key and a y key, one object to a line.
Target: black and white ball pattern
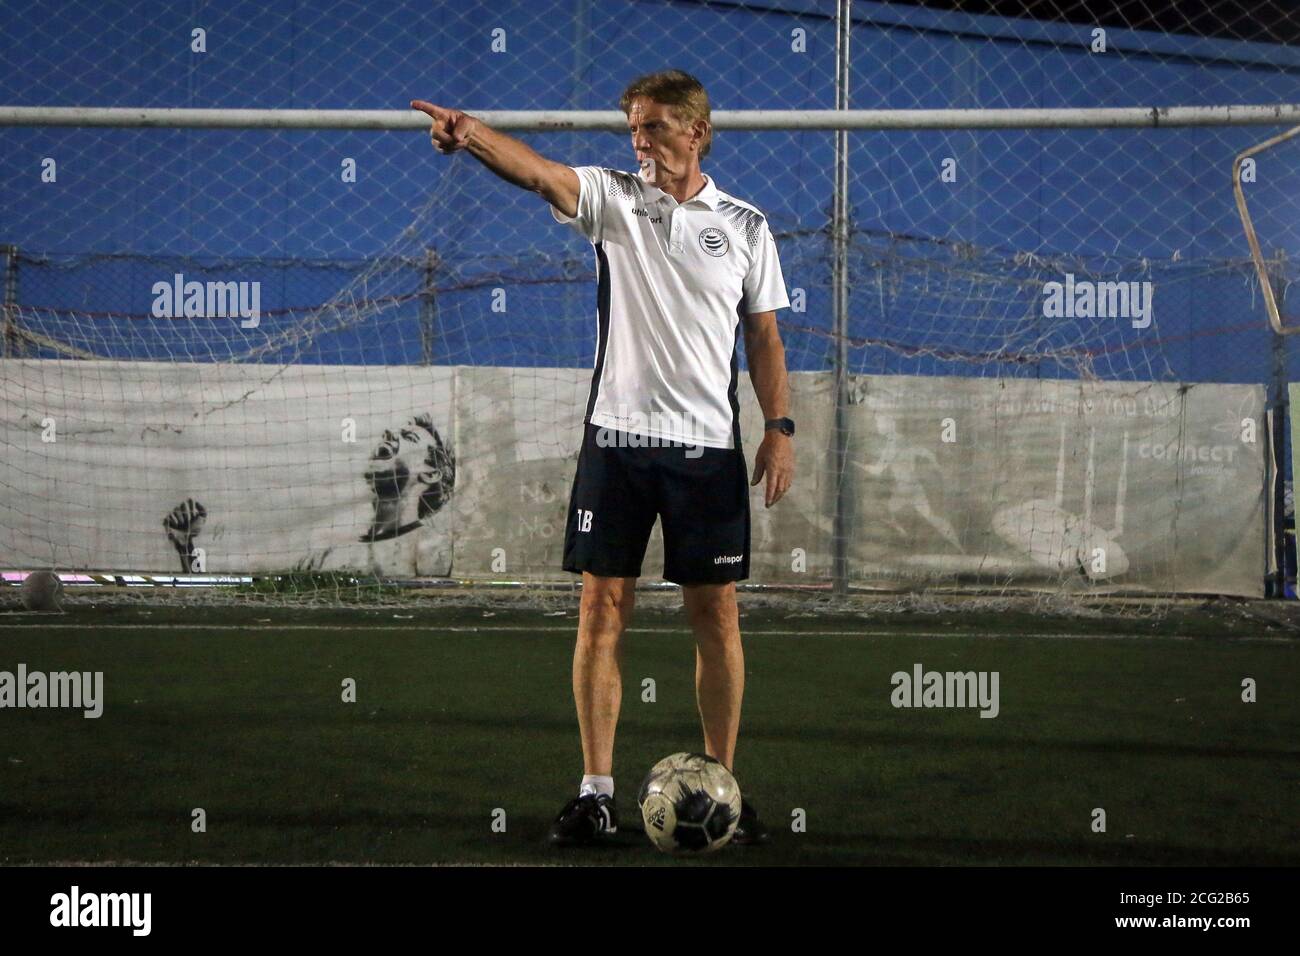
[{"x": 690, "y": 803}]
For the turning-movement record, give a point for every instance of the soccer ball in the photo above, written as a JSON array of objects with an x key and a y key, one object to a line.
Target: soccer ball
[
  {"x": 42, "y": 591},
  {"x": 690, "y": 803}
]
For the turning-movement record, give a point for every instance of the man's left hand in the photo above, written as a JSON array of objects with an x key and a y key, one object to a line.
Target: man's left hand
[{"x": 775, "y": 459}]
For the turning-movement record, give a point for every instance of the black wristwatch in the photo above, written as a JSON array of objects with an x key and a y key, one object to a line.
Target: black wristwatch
[{"x": 785, "y": 424}]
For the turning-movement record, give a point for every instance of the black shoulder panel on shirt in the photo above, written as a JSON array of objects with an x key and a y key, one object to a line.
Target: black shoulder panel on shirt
[
  {"x": 744, "y": 220},
  {"x": 623, "y": 185}
]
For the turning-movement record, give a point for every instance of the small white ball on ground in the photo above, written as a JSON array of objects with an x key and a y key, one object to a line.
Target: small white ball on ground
[
  {"x": 690, "y": 803},
  {"x": 42, "y": 591}
]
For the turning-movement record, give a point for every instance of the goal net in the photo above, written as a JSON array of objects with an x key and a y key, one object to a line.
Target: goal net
[{"x": 281, "y": 349}]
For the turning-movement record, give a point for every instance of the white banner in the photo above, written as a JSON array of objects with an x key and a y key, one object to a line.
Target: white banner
[{"x": 415, "y": 471}]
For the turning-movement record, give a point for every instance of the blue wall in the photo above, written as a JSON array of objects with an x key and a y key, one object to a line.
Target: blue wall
[{"x": 1131, "y": 204}]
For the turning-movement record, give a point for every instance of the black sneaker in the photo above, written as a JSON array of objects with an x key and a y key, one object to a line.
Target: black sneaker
[
  {"x": 585, "y": 820},
  {"x": 749, "y": 830}
]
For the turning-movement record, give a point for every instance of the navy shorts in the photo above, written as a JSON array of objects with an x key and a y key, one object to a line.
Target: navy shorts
[{"x": 701, "y": 494}]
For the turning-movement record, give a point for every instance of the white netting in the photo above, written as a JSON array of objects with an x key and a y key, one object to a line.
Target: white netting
[{"x": 397, "y": 287}]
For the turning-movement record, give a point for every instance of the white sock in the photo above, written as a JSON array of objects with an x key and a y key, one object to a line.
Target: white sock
[{"x": 594, "y": 783}]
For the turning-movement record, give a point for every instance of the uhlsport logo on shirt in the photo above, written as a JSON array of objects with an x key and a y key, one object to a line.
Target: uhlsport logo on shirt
[{"x": 714, "y": 241}]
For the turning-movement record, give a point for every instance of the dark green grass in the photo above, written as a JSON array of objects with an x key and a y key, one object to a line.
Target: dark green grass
[{"x": 453, "y": 723}]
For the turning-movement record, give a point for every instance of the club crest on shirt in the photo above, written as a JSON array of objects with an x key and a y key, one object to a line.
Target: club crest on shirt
[{"x": 714, "y": 241}]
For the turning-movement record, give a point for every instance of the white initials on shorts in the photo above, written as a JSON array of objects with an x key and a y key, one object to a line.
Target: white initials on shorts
[{"x": 584, "y": 520}]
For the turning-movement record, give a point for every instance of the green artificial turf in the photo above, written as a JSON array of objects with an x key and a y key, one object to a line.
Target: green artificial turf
[{"x": 459, "y": 714}]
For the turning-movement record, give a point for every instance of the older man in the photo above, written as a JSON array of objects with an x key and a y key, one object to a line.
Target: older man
[{"x": 681, "y": 266}]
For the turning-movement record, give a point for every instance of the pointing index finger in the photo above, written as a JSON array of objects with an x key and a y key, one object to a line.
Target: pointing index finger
[{"x": 437, "y": 112}]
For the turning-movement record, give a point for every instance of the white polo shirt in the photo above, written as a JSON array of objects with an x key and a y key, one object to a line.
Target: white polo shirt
[{"x": 673, "y": 281}]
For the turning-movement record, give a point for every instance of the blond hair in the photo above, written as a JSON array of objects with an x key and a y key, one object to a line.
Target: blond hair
[{"x": 679, "y": 91}]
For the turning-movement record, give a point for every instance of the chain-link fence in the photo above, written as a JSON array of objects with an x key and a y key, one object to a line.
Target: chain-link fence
[{"x": 1076, "y": 266}]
